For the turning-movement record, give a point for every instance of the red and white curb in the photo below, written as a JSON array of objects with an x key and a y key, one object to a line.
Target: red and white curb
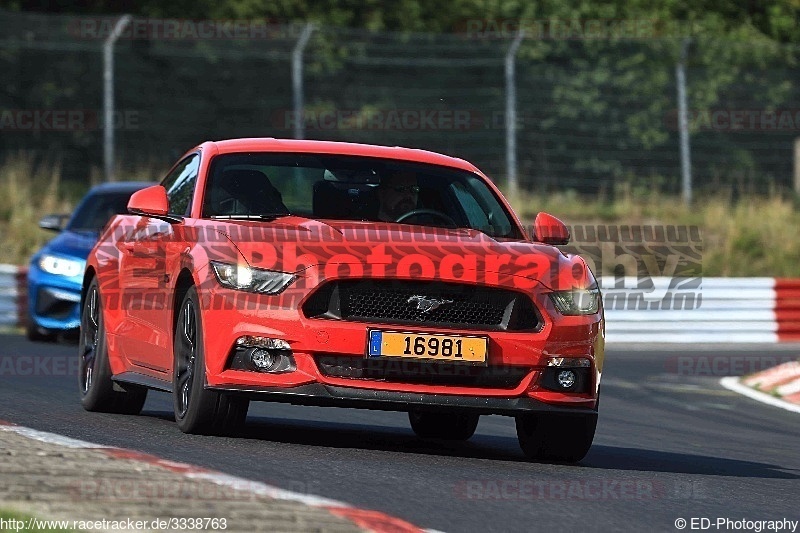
[
  {"x": 711, "y": 310},
  {"x": 368, "y": 520},
  {"x": 778, "y": 386}
]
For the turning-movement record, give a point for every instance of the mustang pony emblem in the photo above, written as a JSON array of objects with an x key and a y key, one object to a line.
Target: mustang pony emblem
[{"x": 427, "y": 305}]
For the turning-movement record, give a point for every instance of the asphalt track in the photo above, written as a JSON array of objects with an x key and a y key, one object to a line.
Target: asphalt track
[{"x": 671, "y": 443}]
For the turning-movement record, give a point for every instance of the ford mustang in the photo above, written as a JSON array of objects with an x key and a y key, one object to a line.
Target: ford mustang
[{"x": 338, "y": 274}]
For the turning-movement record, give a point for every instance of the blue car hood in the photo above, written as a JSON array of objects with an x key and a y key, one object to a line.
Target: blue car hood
[{"x": 71, "y": 244}]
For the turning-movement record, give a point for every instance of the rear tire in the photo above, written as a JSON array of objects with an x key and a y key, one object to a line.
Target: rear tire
[
  {"x": 556, "y": 438},
  {"x": 442, "y": 425},
  {"x": 198, "y": 410},
  {"x": 98, "y": 392}
]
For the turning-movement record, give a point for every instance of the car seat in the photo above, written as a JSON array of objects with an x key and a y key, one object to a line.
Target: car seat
[{"x": 245, "y": 192}]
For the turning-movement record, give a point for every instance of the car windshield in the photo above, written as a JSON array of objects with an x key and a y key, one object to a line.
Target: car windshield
[
  {"x": 269, "y": 185},
  {"x": 94, "y": 212}
]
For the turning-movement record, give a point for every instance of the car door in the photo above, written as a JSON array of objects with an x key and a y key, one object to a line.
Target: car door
[{"x": 147, "y": 299}]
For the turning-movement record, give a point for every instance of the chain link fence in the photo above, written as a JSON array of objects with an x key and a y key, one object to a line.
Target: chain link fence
[{"x": 593, "y": 112}]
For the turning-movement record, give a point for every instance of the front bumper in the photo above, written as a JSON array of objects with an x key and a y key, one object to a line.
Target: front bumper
[
  {"x": 53, "y": 301},
  {"x": 321, "y": 395},
  {"x": 234, "y": 315}
]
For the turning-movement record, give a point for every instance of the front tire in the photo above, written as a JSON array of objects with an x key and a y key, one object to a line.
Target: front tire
[
  {"x": 198, "y": 410},
  {"x": 556, "y": 438},
  {"x": 444, "y": 426},
  {"x": 34, "y": 334},
  {"x": 98, "y": 391}
]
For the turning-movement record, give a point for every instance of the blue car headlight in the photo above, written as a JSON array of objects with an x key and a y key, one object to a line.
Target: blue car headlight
[{"x": 60, "y": 266}]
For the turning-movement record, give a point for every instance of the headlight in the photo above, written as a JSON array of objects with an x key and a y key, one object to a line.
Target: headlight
[
  {"x": 60, "y": 266},
  {"x": 576, "y": 301},
  {"x": 245, "y": 278}
]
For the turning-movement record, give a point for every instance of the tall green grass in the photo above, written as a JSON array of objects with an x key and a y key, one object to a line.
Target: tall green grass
[
  {"x": 752, "y": 236},
  {"x": 748, "y": 236},
  {"x": 27, "y": 192}
]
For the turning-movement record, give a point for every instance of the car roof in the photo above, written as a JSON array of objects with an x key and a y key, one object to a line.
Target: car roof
[
  {"x": 120, "y": 186},
  {"x": 269, "y": 144}
]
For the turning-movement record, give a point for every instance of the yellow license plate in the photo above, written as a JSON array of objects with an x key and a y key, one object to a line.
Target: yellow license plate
[{"x": 454, "y": 348}]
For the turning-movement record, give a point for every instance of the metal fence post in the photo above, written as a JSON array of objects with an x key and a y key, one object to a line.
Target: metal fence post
[
  {"x": 297, "y": 79},
  {"x": 683, "y": 123},
  {"x": 797, "y": 166},
  {"x": 511, "y": 114},
  {"x": 108, "y": 96}
]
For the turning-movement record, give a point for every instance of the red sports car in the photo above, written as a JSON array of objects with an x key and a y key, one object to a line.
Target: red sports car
[{"x": 337, "y": 274}]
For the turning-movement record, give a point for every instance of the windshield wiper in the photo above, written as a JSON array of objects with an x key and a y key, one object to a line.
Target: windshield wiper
[{"x": 263, "y": 216}]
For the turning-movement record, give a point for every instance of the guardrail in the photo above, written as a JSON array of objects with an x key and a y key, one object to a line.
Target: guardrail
[
  {"x": 13, "y": 295},
  {"x": 702, "y": 310},
  {"x": 669, "y": 310}
]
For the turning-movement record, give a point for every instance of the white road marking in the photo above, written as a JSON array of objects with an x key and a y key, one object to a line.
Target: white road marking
[
  {"x": 262, "y": 489},
  {"x": 619, "y": 383},
  {"x": 732, "y": 383},
  {"x": 789, "y": 388},
  {"x": 51, "y": 438}
]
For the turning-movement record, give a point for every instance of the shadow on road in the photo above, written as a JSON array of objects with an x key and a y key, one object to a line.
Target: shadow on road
[
  {"x": 614, "y": 458},
  {"x": 494, "y": 448}
]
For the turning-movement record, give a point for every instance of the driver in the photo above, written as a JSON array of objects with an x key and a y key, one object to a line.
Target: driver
[{"x": 398, "y": 194}]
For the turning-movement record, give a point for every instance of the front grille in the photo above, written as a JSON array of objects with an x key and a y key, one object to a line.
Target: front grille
[
  {"x": 415, "y": 372},
  {"x": 396, "y": 302}
]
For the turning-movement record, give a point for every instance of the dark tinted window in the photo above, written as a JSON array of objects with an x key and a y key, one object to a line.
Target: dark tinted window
[
  {"x": 180, "y": 185},
  {"x": 353, "y": 188},
  {"x": 95, "y": 211}
]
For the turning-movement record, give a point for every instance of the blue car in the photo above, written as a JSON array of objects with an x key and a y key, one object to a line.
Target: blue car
[{"x": 55, "y": 272}]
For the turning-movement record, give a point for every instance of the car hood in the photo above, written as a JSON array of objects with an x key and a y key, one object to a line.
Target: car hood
[
  {"x": 71, "y": 244},
  {"x": 369, "y": 249}
]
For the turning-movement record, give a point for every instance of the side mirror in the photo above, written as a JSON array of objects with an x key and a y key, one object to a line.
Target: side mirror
[
  {"x": 150, "y": 201},
  {"x": 53, "y": 222},
  {"x": 550, "y": 230}
]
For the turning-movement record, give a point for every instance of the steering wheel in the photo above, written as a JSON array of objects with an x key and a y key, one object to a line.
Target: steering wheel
[{"x": 430, "y": 212}]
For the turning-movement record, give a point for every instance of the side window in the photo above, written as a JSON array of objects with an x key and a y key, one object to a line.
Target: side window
[{"x": 180, "y": 185}]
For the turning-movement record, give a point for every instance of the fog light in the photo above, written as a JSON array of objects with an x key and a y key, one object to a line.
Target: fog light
[
  {"x": 567, "y": 374},
  {"x": 262, "y": 359},
  {"x": 262, "y": 354},
  {"x": 566, "y": 379}
]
